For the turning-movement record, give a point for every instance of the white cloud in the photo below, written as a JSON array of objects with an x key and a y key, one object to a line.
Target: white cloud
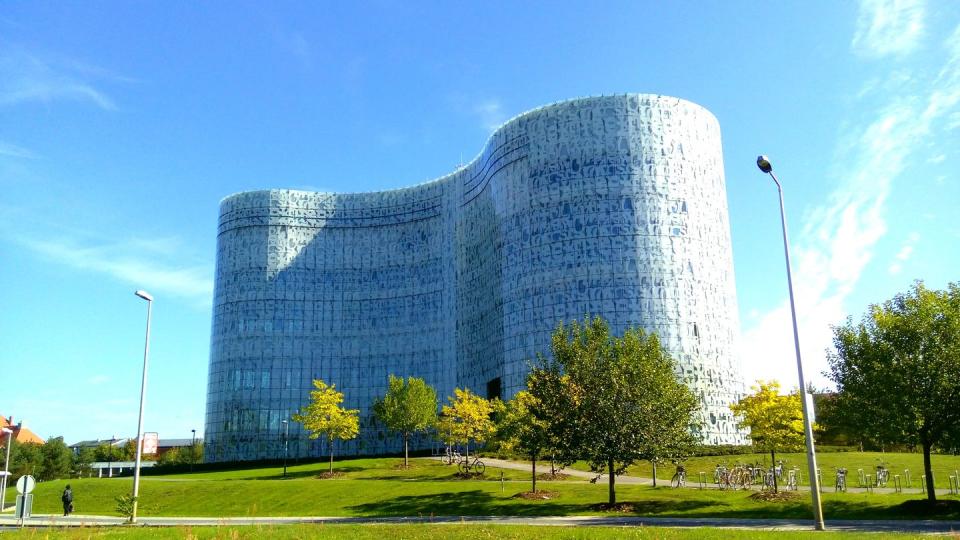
[
  {"x": 840, "y": 236},
  {"x": 12, "y": 150},
  {"x": 142, "y": 263},
  {"x": 26, "y": 78},
  {"x": 889, "y": 27},
  {"x": 98, "y": 379},
  {"x": 491, "y": 114}
]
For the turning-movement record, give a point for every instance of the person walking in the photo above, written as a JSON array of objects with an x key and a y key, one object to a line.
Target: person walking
[{"x": 67, "y": 499}]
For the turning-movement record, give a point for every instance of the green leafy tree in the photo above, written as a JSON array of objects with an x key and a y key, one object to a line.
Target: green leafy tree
[
  {"x": 613, "y": 401},
  {"x": 407, "y": 407},
  {"x": 25, "y": 458},
  {"x": 108, "y": 453},
  {"x": 173, "y": 456},
  {"x": 57, "y": 459},
  {"x": 775, "y": 420},
  {"x": 82, "y": 461},
  {"x": 897, "y": 371},
  {"x": 467, "y": 418},
  {"x": 522, "y": 428},
  {"x": 325, "y": 415}
]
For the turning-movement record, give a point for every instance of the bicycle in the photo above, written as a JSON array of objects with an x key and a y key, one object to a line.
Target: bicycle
[
  {"x": 841, "y": 484},
  {"x": 451, "y": 456},
  {"x": 476, "y": 467},
  {"x": 792, "y": 480},
  {"x": 883, "y": 476},
  {"x": 679, "y": 478}
]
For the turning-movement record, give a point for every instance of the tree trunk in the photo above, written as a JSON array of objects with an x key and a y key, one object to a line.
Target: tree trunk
[
  {"x": 613, "y": 493},
  {"x": 534, "y": 469},
  {"x": 406, "y": 452},
  {"x": 773, "y": 467},
  {"x": 330, "y": 441},
  {"x": 928, "y": 470},
  {"x": 654, "y": 463}
]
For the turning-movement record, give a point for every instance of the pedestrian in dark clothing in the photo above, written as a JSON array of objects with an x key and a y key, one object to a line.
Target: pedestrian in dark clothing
[{"x": 67, "y": 499}]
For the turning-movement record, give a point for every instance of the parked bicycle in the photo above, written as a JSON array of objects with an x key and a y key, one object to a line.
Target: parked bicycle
[
  {"x": 451, "y": 456},
  {"x": 841, "y": 484},
  {"x": 883, "y": 476},
  {"x": 471, "y": 467},
  {"x": 680, "y": 477}
]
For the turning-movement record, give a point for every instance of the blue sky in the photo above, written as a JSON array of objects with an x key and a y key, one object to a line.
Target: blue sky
[{"x": 123, "y": 124}]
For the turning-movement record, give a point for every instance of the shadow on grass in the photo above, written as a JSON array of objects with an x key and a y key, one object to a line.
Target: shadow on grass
[
  {"x": 480, "y": 503},
  {"x": 304, "y": 474}
]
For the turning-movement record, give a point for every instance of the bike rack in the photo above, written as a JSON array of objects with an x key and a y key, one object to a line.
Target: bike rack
[
  {"x": 820, "y": 480},
  {"x": 868, "y": 478},
  {"x": 953, "y": 481},
  {"x": 906, "y": 474},
  {"x": 703, "y": 480},
  {"x": 923, "y": 483},
  {"x": 897, "y": 487},
  {"x": 860, "y": 478}
]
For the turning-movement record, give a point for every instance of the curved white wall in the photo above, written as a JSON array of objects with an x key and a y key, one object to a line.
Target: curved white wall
[{"x": 614, "y": 206}]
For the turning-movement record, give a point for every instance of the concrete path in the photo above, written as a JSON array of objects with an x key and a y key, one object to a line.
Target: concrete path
[{"x": 929, "y": 526}]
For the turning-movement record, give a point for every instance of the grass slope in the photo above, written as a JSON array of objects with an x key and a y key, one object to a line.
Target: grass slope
[
  {"x": 944, "y": 466},
  {"x": 377, "y": 487},
  {"x": 432, "y": 532}
]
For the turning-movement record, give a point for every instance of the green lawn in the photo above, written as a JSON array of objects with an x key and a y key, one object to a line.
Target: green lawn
[
  {"x": 376, "y": 487},
  {"x": 432, "y": 532},
  {"x": 944, "y": 466}
]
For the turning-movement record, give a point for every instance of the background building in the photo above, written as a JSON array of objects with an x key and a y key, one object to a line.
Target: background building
[{"x": 611, "y": 206}]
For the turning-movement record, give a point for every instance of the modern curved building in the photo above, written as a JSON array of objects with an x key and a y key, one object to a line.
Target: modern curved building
[{"x": 612, "y": 206}]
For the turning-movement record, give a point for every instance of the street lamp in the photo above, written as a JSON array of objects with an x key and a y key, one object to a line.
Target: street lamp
[
  {"x": 286, "y": 445},
  {"x": 143, "y": 392},
  {"x": 764, "y": 163},
  {"x": 6, "y": 470},
  {"x": 193, "y": 447}
]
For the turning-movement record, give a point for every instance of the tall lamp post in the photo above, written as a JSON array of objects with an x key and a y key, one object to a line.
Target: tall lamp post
[
  {"x": 763, "y": 162},
  {"x": 286, "y": 445},
  {"x": 143, "y": 392},
  {"x": 6, "y": 470},
  {"x": 193, "y": 447}
]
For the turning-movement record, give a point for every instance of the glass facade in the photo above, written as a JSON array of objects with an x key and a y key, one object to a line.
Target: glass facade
[{"x": 613, "y": 206}]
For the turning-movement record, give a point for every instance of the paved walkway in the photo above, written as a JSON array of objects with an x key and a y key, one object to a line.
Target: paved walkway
[{"x": 941, "y": 527}]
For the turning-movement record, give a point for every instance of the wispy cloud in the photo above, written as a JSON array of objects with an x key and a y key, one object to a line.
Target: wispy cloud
[
  {"x": 150, "y": 264},
  {"x": 27, "y": 77},
  {"x": 903, "y": 255},
  {"x": 490, "y": 112},
  {"x": 14, "y": 151},
  {"x": 889, "y": 27},
  {"x": 841, "y": 236}
]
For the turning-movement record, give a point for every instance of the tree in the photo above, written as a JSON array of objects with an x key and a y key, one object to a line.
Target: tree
[
  {"x": 521, "y": 427},
  {"x": 775, "y": 421},
  {"x": 82, "y": 460},
  {"x": 325, "y": 416},
  {"x": 467, "y": 418},
  {"x": 407, "y": 408},
  {"x": 25, "y": 458},
  {"x": 898, "y": 371},
  {"x": 613, "y": 401},
  {"x": 57, "y": 460}
]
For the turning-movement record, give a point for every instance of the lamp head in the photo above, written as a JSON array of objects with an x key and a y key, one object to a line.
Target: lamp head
[
  {"x": 145, "y": 295},
  {"x": 764, "y": 163}
]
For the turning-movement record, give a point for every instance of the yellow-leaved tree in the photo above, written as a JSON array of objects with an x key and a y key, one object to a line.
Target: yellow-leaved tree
[
  {"x": 775, "y": 420},
  {"x": 326, "y": 416},
  {"x": 466, "y": 419}
]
